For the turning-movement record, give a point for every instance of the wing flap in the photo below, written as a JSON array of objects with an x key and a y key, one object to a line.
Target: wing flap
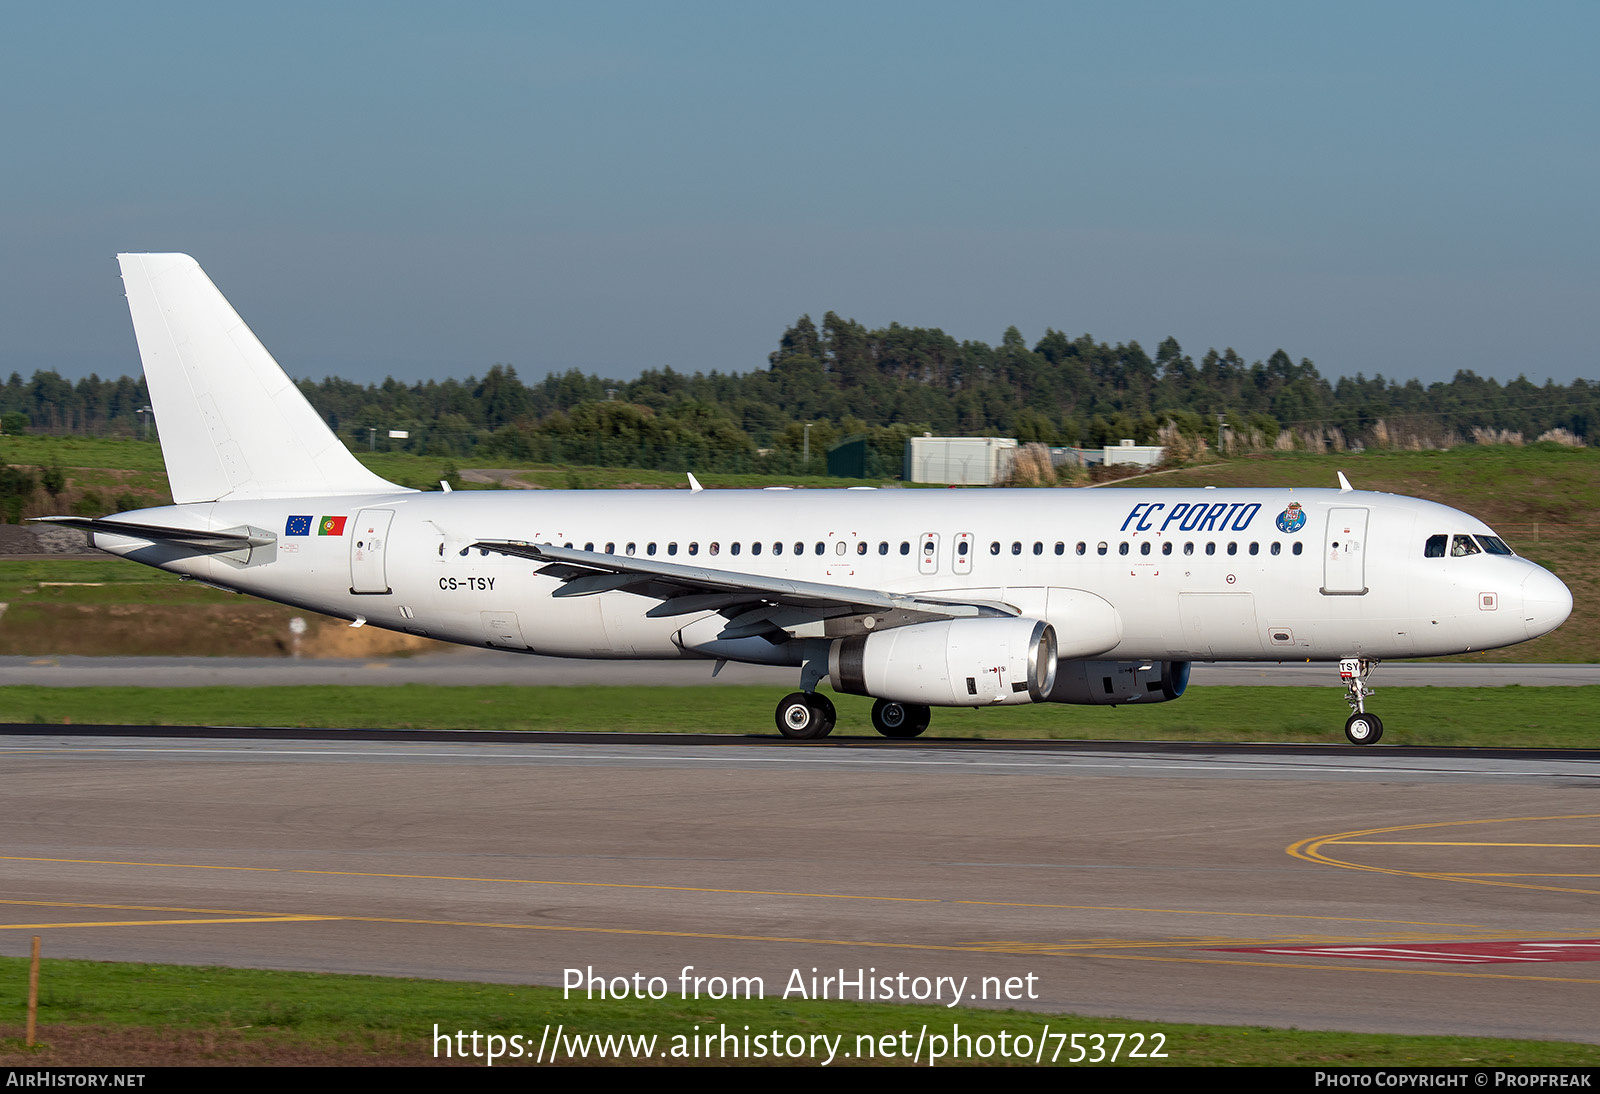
[{"x": 705, "y": 589}]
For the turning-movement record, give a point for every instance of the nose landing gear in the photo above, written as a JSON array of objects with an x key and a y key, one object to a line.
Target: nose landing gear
[{"x": 1361, "y": 728}]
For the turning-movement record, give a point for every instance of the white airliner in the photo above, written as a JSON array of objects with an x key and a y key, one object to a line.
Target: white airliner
[{"x": 917, "y": 598}]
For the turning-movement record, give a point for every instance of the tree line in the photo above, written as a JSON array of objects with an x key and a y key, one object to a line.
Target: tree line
[{"x": 843, "y": 380}]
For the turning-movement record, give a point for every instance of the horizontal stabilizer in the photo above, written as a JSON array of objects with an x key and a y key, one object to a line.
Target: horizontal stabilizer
[{"x": 197, "y": 539}]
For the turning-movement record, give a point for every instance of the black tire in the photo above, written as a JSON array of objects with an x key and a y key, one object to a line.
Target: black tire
[
  {"x": 920, "y": 717},
  {"x": 1363, "y": 729},
  {"x": 825, "y": 712},
  {"x": 802, "y": 717},
  {"x": 901, "y": 721}
]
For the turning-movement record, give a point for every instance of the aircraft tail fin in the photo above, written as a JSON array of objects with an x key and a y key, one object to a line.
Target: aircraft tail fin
[{"x": 232, "y": 423}]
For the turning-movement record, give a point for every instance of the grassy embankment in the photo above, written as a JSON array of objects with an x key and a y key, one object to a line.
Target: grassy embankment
[{"x": 149, "y": 1015}]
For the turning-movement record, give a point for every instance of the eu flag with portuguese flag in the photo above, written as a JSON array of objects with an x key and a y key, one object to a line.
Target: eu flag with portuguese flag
[{"x": 331, "y": 526}]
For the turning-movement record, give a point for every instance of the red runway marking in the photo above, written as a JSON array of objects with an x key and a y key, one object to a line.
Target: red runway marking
[{"x": 1459, "y": 953}]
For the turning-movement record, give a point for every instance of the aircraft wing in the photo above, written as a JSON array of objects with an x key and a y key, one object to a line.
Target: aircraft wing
[
  {"x": 756, "y": 604},
  {"x": 206, "y": 542}
]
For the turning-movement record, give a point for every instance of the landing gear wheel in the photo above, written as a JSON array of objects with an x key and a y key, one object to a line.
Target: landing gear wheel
[
  {"x": 899, "y": 720},
  {"x": 803, "y": 717},
  {"x": 1363, "y": 729}
]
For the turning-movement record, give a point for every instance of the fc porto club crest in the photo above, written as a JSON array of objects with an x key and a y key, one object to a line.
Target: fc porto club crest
[{"x": 1292, "y": 519}]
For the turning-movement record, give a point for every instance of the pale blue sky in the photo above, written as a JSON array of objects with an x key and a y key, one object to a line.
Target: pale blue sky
[{"x": 413, "y": 190}]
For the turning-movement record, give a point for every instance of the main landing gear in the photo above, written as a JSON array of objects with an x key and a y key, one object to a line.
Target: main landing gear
[
  {"x": 805, "y": 716},
  {"x": 1361, "y": 728},
  {"x": 901, "y": 720}
]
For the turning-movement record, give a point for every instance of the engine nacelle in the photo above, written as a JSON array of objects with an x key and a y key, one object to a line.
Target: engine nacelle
[
  {"x": 951, "y": 663},
  {"x": 1112, "y": 683}
]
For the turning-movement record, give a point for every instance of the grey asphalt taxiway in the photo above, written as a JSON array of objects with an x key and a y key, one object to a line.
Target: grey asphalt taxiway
[{"x": 1202, "y": 883}]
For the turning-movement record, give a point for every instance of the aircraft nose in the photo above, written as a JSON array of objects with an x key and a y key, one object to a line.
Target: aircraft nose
[{"x": 1546, "y": 602}]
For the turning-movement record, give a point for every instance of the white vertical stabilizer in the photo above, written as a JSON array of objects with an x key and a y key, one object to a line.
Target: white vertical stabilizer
[{"x": 232, "y": 423}]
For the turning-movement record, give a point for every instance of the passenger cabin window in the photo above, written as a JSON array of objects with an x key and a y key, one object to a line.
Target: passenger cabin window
[
  {"x": 588, "y": 547},
  {"x": 1298, "y": 547},
  {"x": 650, "y": 550},
  {"x": 631, "y": 549},
  {"x": 1082, "y": 547},
  {"x": 611, "y": 548},
  {"x": 905, "y": 547},
  {"x": 883, "y": 547},
  {"x": 1211, "y": 548},
  {"x": 861, "y": 548},
  {"x": 799, "y": 548},
  {"x": 733, "y": 550},
  {"x": 755, "y": 548},
  {"x": 1435, "y": 547},
  {"x": 777, "y": 548},
  {"x": 1144, "y": 548},
  {"x": 1016, "y": 547},
  {"x": 1188, "y": 548},
  {"x": 1166, "y": 548},
  {"x": 672, "y": 548},
  {"x": 1100, "y": 548},
  {"x": 994, "y": 548},
  {"x": 1277, "y": 548},
  {"x": 1464, "y": 546},
  {"x": 1233, "y": 548},
  {"x": 1038, "y": 548},
  {"x": 694, "y": 548},
  {"x": 1061, "y": 548},
  {"x": 1122, "y": 548},
  {"x": 821, "y": 547}
]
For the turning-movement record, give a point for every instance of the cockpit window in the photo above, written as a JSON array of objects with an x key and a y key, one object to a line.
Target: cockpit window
[
  {"x": 1494, "y": 545},
  {"x": 1464, "y": 546},
  {"x": 1436, "y": 546}
]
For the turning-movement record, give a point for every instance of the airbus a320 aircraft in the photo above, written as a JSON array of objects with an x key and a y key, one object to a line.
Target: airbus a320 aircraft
[{"x": 915, "y": 598}]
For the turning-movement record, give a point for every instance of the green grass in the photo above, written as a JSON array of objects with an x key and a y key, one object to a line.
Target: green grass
[
  {"x": 99, "y": 452},
  {"x": 1556, "y": 717},
  {"x": 396, "y": 1018},
  {"x": 102, "y": 581},
  {"x": 96, "y": 460},
  {"x": 1500, "y": 484}
]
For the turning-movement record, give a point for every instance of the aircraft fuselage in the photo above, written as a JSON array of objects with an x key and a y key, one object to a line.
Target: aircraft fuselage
[{"x": 1187, "y": 574}]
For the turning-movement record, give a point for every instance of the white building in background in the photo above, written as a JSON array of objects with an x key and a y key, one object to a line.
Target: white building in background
[
  {"x": 1140, "y": 455},
  {"x": 959, "y": 461},
  {"x": 986, "y": 461}
]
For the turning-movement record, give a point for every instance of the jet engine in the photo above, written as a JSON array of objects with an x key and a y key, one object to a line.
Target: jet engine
[
  {"x": 1112, "y": 683},
  {"x": 951, "y": 663}
]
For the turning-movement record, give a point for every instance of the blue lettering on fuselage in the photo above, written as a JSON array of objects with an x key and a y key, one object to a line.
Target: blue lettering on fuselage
[{"x": 1198, "y": 517}]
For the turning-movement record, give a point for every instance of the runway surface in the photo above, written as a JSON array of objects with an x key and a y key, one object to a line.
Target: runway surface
[
  {"x": 480, "y": 668},
  {"x": 1159, "y": 885}
]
